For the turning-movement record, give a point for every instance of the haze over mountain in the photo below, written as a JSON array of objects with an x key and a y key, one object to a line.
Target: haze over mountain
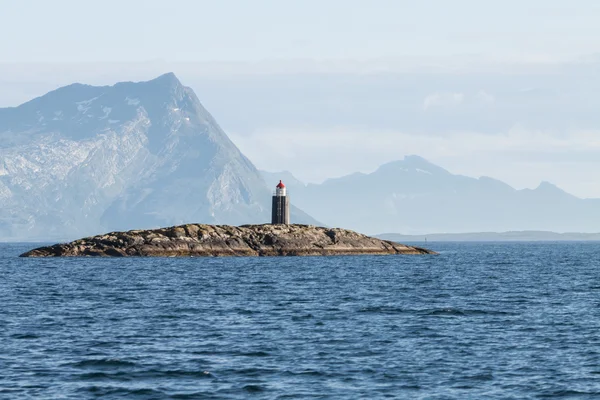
[
  {"x": 521, "y": 123},
  {"x": 414, "y": 196},
  {"x": 83, "y": 159}
]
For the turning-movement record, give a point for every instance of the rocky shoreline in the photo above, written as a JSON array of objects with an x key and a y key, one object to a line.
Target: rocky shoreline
[{"x": 224, "y": 240}]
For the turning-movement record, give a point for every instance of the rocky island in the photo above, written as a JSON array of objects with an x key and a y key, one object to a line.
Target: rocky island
[{"x": 224, "y": 240}]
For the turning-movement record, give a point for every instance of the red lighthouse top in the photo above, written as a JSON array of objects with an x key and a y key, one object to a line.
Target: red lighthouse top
[{"x": 280, "y": 185}]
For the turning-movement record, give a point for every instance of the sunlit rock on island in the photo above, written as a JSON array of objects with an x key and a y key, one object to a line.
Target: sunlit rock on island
[{"x": 225, "y": 240}]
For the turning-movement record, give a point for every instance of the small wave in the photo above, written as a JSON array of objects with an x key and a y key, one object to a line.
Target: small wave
[
  {"x": 168, "y": 316},
  {"x": 302, "y": 317},
  {"x": 175, "y": 373},
  {"x": 186, "y": 310},
  {"x": 451, "y": 311},
  {"x": 122, "y": 392},
  {"x": 488, "y": 312},
  {"x": 310, "y": 372},
  {"x": 97, "y": 376},
  {"x": 445, "y": 311},
  {"x": 482, "y": 377},
  {"x": 254, "y": 388},
  {"x": 251, "y": 372},
  {"x": 195, "y": 395},
  {"x": 147, "y": 374},
  {"x": 245, "y": 312},
  {"x": 103, "y": 363},
  {"x": 568, "y": 393},
  {"x": 410, "y": 387},
  {"x": 25, "y": 336},
  {"x": 102, "y": 344},
  {"x": 256, "y": 354},
  {"x": 383, "y": 310}
]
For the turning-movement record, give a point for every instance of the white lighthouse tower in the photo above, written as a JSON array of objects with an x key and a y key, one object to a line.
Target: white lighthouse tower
[{"x": 281, "y": 206}]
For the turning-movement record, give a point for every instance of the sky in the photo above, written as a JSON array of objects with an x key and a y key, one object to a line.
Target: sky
[
  {"x": 325, "y": 88},
  {"x": 197, "y": 30}
]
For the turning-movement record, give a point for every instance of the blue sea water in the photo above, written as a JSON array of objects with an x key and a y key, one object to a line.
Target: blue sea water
[{"x": 480, "y": 320}]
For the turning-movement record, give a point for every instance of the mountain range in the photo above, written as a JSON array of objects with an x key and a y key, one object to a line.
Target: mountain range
[
  {"x": 84, "y": 159},
  {"x": 414, "y": 196}
]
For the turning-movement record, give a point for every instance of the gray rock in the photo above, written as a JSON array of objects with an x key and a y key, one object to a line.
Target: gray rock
[{"x": 225, "y": 240}]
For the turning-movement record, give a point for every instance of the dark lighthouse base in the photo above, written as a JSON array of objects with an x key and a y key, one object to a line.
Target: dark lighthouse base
[{"x": 281, "y": 210}]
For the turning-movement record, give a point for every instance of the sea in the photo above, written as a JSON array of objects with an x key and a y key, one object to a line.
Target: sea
[{"x": 477, "y": 321}]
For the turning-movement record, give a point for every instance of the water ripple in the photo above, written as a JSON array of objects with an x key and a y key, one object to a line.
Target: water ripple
[{"x": 493, "y": 321}]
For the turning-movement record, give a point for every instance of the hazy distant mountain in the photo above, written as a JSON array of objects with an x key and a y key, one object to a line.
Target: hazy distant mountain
[
  {"x": 290, "y": 180},
  {"x": 85, "y": 159},
  {"x": 414, "y": 196}
]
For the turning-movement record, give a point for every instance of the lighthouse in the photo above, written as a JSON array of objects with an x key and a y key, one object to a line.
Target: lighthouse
[{"x": 281, "y": 206}]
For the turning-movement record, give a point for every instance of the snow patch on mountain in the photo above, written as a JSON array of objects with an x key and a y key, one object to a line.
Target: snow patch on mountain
[
  {"x": 85, "y": 105},
  {"x": 132, "y": 102}
]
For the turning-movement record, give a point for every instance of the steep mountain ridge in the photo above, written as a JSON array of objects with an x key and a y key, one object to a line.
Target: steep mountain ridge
[{"x": 84, "y": 159}]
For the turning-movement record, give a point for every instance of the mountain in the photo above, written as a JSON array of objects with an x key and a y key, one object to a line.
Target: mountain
[
  {"x": 83, "y": 159},
  {"x": 414, "y": 196}
]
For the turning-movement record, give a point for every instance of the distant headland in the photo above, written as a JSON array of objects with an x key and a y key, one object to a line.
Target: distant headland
[{"x": 224, "y": 240}]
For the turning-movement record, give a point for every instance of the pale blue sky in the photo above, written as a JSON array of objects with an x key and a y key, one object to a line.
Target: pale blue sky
[{"x": 247, "y": 30}]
